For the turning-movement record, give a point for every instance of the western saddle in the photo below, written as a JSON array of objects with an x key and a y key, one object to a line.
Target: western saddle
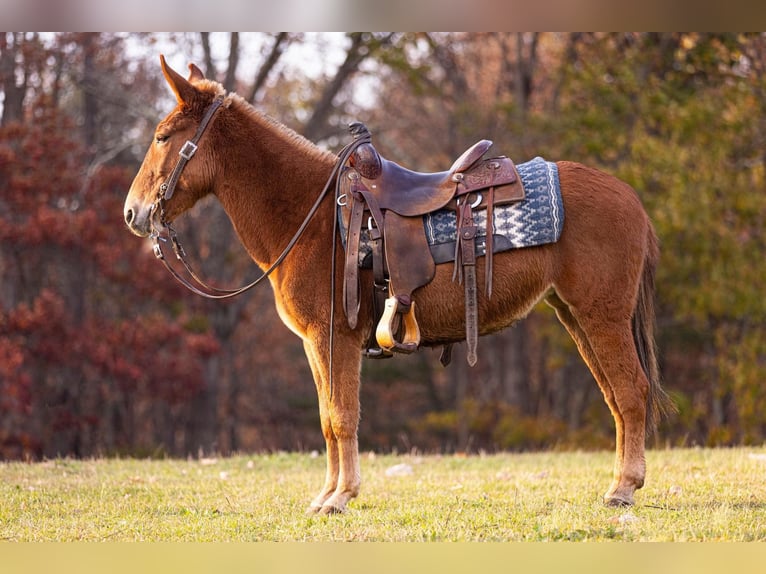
[{"x": 393, "y": 200}]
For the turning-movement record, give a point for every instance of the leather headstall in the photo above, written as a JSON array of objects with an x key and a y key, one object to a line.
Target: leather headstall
[{"x": 168, "y": 187}]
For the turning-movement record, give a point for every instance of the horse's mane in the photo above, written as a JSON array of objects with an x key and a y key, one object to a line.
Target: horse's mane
[{"x": 281, "y": 131}]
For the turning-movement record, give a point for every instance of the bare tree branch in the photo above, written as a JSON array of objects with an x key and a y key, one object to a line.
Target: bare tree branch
[
  {"x": 280, "y": 44},
  {"x": 362, "y": 46},
  {"x": 13, "y": 105}
]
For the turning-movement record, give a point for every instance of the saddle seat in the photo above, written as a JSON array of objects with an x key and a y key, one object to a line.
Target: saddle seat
[{"x": 411, "y": 193}]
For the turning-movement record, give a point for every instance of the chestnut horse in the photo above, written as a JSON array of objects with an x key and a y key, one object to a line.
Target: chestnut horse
[{"x": 599, "y": 277}]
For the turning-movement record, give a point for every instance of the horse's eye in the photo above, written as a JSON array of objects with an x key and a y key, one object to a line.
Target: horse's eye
[{"x": 161, "y": 138}]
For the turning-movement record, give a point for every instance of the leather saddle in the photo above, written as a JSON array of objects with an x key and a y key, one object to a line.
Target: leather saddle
[
  {"x": 393, "y": 200},
  {"x": 411, "y": 193}
]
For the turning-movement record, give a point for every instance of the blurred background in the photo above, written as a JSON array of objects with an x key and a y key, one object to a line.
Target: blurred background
[{"x": 102, "y": 353}]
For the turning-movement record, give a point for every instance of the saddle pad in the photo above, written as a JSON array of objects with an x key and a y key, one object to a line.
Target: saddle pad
[{"x": 536, "y": 220}]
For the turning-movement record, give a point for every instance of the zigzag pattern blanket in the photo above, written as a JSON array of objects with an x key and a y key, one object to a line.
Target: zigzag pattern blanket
[{"x": 536, "y": 220}]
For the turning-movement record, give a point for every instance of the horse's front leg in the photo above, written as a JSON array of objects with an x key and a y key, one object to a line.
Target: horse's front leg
[
  {"x": 331, "y": 443},
  {"x": 339, "y": 415}
]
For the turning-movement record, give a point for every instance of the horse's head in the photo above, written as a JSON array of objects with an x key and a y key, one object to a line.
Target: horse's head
[{"x": 169, "y": 182}]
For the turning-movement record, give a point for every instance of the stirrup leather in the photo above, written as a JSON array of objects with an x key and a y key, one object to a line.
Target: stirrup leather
[{"x": 394, "y": 311}]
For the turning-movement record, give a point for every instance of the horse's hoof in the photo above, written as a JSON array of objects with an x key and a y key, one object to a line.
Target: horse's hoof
[
  {"x": 616, "y": 501},
  {"x": 330, "y": 509},
  {"x": 312, "y": 510}
]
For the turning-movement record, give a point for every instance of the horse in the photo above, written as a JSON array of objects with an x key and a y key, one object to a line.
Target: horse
[{"x": 598, "y": 277}]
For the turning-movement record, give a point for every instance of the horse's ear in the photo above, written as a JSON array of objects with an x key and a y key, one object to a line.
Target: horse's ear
[
  {"x": 183, "y": 90},
  {"x": 195, "y": 74}
]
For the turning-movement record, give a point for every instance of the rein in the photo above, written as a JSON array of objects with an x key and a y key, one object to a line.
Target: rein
[{"x": 167, "y": 189}]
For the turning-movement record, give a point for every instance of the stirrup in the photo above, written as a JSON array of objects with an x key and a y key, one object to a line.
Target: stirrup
[{"x": 386, "y": 327}]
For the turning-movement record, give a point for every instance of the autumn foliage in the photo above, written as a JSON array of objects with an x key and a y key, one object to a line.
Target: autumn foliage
[
  {"x": 84, "y": 350},
  {"x": 101, "y": 352}
]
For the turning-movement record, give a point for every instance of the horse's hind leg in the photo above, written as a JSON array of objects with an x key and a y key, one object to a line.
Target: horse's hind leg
[{"x": 607, "y": 346}]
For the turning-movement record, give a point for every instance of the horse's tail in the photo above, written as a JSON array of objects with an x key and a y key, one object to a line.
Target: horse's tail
[{"x": 658, "y": 403}]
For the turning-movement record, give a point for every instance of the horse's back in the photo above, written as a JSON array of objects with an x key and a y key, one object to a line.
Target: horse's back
[
  {"x": 594, "y": 200},
  {"x": 603, "y": 214},
  {"x": 603, "y": 244},
  {"x": 606, "y": 239}
]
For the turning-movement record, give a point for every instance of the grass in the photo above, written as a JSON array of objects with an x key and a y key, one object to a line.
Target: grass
[{"x": 691, "y": 495}]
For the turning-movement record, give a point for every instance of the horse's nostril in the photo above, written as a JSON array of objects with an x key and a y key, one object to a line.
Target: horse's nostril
[{"x": 129, "y": 216}]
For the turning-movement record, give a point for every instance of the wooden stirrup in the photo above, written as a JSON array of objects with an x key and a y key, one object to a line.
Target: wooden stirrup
[{"x": 386, "y": 327}]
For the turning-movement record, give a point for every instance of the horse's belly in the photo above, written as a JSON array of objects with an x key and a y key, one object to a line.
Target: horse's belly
[{"x": 517, "y": 288}]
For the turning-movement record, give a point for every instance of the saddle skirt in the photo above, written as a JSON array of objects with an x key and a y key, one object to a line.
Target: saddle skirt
[{"x": 536, "y": 220}]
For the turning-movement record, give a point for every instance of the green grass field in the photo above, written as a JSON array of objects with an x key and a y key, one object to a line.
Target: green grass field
[{"x": 690, "y": 495}]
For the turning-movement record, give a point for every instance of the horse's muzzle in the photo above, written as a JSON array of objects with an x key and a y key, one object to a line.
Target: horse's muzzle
[{"x": 138, "y": 219}]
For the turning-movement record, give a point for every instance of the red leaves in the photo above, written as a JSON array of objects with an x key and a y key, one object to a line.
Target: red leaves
[
  {"x": 11, "y": 358},
  {"x": 203, "y": 345},
  {"x": 89, "y": 322},
  {"x": 45, "y": 312}
]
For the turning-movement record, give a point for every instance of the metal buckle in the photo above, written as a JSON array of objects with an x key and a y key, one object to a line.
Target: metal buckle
[
  {"x": 188, "y": 150},
  {"x": 476, "y": 203},
  {"x": 156, "y": 248}
]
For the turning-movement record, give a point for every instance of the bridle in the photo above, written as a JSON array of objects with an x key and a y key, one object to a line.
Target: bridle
[{"x": 167, "y": 189}]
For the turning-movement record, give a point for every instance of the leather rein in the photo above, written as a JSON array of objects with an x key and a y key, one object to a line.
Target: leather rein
[{"x": 167, "y": 189}]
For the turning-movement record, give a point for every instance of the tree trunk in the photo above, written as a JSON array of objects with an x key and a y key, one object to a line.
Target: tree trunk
[{"x": 13, "y": 90}]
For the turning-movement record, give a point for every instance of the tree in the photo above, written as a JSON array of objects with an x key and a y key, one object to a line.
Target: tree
[
  {"x": 88, "y": 356},
  {"x": 674, "y": 118},
  {"x": 101, "y": 352}
]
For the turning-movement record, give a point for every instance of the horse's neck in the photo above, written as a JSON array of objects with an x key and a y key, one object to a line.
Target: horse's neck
[{"x": 272, "y": 178}]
